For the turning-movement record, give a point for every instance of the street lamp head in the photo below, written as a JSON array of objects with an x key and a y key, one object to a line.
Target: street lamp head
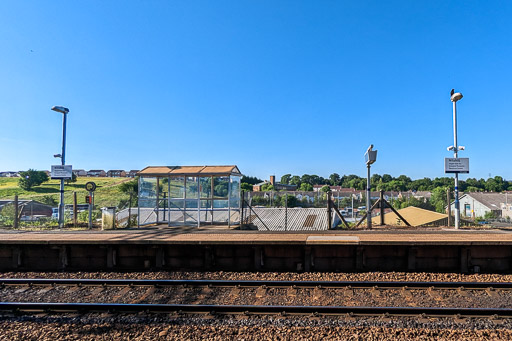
[
  {"x": 456, "y": 96},
  {"x": 57, "y": 155},
  {"x": 370, "y": 155},
  {"x": 62, "y": 110}
]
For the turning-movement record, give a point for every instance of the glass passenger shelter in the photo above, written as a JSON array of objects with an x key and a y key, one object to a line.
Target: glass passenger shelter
[{"x": 189, "y": 195}]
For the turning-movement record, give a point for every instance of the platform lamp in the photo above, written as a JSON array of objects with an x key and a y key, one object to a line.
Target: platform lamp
[
  {"x": 454, "y": 97},
  {"x": 64, "y": 111},
  {"x": 370, "y": 157}
]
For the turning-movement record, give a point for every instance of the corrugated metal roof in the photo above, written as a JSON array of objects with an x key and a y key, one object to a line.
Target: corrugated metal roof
[
  {"x": 189, "y": 170},
  {"x": 299, "y": 219}
]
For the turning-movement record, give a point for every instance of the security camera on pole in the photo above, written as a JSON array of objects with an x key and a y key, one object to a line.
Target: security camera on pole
[
  {"x": 370, "y": 157},
  {"x": 456, "y": 165}
]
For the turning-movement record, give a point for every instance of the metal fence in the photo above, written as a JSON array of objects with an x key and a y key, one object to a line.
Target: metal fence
[{"x": 292, "y": 211}]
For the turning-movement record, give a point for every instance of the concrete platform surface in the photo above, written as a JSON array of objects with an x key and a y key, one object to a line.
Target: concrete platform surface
[{"x": 194, "y": 236}]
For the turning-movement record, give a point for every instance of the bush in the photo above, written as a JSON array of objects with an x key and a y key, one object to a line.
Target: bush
[
  {"x": 48, "y": 200},
  {"x": 292, "y": 201},
  {"x": 31, "y": 178}
]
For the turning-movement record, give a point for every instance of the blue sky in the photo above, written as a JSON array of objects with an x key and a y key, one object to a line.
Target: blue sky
[{"x": 274, "y": 87}]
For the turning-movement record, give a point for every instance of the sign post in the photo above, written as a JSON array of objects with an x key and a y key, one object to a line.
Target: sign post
[
  {"x": 91, "y": 187},
  {"x": 62, "y": 172},
  {"x": 370, "y": 157}
]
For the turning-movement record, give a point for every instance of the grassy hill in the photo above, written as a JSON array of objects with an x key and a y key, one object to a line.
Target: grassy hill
[{"x": 107, "y": 192}]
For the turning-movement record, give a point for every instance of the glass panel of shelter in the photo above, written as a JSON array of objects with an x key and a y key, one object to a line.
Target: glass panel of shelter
[
  {"x": 147, "y": 201},
  {"x": 234, "y": 198},
  {"x": 176, "y": 199},
  {"x": 162, "y": 201}
]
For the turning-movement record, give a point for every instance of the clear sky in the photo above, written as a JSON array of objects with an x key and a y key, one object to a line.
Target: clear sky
[{"x": 274, "y": 87}]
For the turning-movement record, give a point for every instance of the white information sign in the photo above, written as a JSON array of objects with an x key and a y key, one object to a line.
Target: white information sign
[
  {"x": 62, "y": 172},
  {"x": 456, "y": 165}
]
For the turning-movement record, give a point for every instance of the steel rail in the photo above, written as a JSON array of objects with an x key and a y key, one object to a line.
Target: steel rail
[
  {"x": 256, "y": 283},
  {"x": 251, "y": 309}
]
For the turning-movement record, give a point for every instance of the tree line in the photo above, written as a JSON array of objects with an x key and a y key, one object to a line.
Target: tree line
[{"x": 387, "y": 182}]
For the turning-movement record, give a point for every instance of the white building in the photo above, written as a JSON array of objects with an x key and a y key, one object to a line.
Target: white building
[{"x": 477, "y": 204}]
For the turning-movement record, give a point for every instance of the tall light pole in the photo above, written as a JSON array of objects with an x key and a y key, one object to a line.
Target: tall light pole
[
  {"x": 370, "y": 157},
  {"x": 64, "y": 111},
  {"x": 455, "y": 96}
]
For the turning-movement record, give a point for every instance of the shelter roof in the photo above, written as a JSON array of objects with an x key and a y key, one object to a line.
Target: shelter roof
[{"x": 189, "y": 170}]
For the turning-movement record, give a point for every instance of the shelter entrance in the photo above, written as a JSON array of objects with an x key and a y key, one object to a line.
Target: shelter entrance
[{"x": 189, "y": 195}]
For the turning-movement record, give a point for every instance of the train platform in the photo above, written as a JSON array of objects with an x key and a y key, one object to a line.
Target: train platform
[
  {"x": 220, "y": 248},
  {"x": 220, "y": 235}
]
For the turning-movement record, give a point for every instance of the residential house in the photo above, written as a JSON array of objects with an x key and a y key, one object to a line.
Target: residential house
[
  {"x": 79, "y": 172},
  {"x": 9, "y": 174},
  {"x": 116, "y": 173},
  {"x": 96, "y": 173},
  {"x": 477, "y": 204},
  {"x": 132, "y": 173}
]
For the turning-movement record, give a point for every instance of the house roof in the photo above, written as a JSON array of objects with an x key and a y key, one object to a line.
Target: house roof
[
  {"x": 491, "y": 200},
  {"x": 189, "y": 170},
  {"x": 414, "y": 215}
]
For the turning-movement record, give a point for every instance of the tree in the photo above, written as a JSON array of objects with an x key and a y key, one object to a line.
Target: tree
[
  {"x": 350, "y": 181},
  {"x": 406, "y": 181},
  {"x": 31, "y": 178},
  {"x": 246, "y": 187},
  {"x": 73, "y": 179},
  {"x": 325, "y": 189},
  {"x": 375, "y": 178},
  {"x": 267, "y": 187},
  {"x": 131, "y": 186},
  {"x": 306, "y": 178},
  {"x": 305, "y": 187},
  {"x": 252, "y": 180},
  {"x": 285, "y": 179},
  {"x": 132, "y": 189},
  {"x": 438, "y": 199},
  {"x": 335, "y": 179},
  {"x": 295, "y": 180},
  {"x": 386, "y": 178},
  {"x": 290, "y": 202}
]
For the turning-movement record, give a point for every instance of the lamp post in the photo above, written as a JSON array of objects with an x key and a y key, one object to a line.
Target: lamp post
[
  {"x": 455, "y": 96},
  {"x": 64, "y": 111},
  {"x": 370, "y": 157}
]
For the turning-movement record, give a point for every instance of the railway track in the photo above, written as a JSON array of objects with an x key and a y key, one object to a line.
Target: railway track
[
  {"x": 314, "y": 311},
  {"x": 318, "y": 290},
  {"x": 255, "y": 284}
]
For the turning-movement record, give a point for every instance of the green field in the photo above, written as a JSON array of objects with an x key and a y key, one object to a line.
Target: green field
[{"x": 107, "y": 192}]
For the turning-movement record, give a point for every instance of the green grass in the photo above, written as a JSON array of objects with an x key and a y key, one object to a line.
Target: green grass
[{"x": 107, "y": 191}]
